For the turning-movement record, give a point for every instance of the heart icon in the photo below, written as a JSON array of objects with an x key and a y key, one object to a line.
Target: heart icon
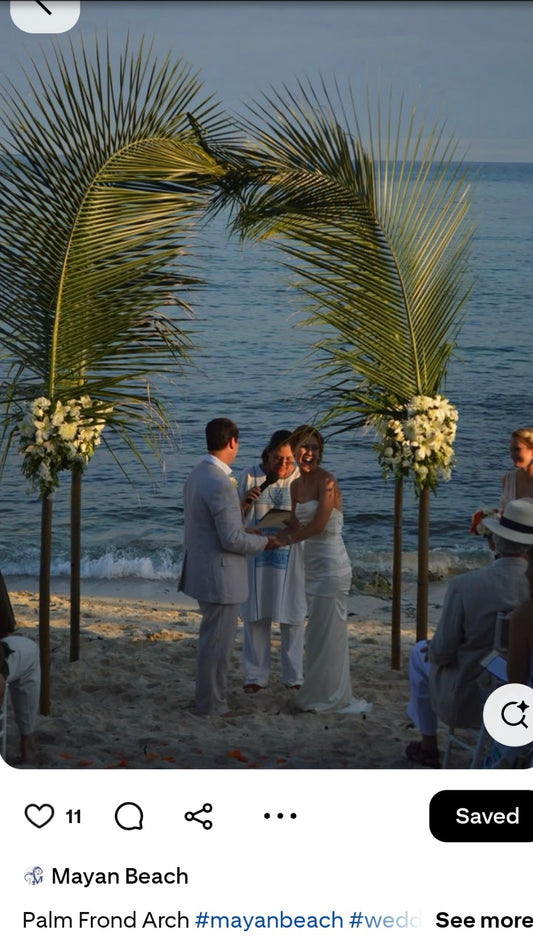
[{"x": 39, "y": 815}]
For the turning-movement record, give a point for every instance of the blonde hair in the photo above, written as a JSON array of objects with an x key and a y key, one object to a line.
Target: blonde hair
[
  {"x": 525, "y": 435},
  {"x": 301, "y": 433}
]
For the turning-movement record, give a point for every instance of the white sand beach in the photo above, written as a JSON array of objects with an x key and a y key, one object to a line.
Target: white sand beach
[{"x": 128, "y": 701}]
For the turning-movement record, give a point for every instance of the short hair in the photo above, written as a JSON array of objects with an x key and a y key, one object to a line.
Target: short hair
[
  {"x": 219, "y": 432},
  {"x": 525, "y": 435},
  {"x": 302, "y": 432},
  {"x": 508, "y": 548},
  {"x": 277, "y": 439}
]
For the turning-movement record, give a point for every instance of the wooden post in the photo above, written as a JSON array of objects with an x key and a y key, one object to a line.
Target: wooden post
[
  {"x": 75, "y": 562},
  {"x": 423, "y": 565},
  {"x": 44, "y": 603},
  {"x": 397, "y": 576}
]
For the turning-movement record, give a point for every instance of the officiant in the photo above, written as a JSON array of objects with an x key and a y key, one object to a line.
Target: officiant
[{"x": 275, "y": 578}]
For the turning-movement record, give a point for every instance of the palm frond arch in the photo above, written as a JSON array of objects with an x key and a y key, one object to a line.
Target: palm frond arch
[
  {"x": 377, "y": 232},
  {"x": 350, "y": 216}
]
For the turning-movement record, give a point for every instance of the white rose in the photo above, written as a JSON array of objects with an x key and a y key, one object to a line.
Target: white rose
[{"x": 67, "y": 431}]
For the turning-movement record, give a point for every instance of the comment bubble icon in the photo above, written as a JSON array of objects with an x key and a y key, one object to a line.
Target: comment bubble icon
[{"x": 129, "y": 816}]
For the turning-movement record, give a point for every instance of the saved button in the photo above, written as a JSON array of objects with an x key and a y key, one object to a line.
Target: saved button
[{"x": 482, "y": 816}]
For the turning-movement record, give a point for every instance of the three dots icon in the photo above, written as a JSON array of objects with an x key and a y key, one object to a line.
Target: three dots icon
[{"x": 278, "y": 816}]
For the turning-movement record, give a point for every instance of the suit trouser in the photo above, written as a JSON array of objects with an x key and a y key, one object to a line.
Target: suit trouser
[
  {"x": 256, "y": 651},
  {"x": 215, "y": 644},
  {"x": 24, "y": 680},
  {"x": 420, "y": 709}
]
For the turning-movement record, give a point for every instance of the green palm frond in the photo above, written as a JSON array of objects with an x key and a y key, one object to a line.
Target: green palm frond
[
  {"x": 103, "y": 181},
  {"x": 376, "y": 230}
]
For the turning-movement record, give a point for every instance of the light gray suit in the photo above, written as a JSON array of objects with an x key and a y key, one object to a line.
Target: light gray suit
[
  {"x": 214, "y": 572},
  {"x": 466, "y": 633}
]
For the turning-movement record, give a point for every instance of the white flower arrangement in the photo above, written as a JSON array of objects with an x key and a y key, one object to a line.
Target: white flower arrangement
[
  {"x": 56, "y": 436},
  {"x": 419, "y": 442}
]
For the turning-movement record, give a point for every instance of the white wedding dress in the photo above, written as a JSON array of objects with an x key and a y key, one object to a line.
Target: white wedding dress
[{"x": 328, "y": 575}]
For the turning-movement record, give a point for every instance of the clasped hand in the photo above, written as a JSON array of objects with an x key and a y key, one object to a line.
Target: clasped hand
[
  {"x": 279, "y": 540},
  {"x": 285, "y": 537}
]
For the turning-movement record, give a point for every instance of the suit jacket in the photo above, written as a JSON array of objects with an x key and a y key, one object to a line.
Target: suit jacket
[
  {"x": 215, "y": 544},
  {"x": 466, "y": 633}
]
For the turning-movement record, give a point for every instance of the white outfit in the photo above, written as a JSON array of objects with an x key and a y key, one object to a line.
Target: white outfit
[
  {"x": 328, "y": 576},
  {"x": 276, "y": 590},
  {"x": 24, "y": 679},
  {"x": 508, "y": 488}
]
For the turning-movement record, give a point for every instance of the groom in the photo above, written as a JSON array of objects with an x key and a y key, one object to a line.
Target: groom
[{"x": 215, "y": 545}]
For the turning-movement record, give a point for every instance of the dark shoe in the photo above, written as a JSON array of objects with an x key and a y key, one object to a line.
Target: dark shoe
[
  {"x": 423, "y": 756},
  {"x": 295, "y": 687},
  {"x": 252, "y": 688}
]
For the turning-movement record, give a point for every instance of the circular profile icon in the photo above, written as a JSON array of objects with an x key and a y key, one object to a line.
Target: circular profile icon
[
  {"x": 508, "y": 715},
  {"x": 33, "y": 876}
]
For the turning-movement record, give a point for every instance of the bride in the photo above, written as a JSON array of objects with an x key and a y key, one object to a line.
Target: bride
[{"x": 316, "y": 519}]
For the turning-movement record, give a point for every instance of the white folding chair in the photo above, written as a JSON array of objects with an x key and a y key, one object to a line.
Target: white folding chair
[{"x": 475, "y": 746}]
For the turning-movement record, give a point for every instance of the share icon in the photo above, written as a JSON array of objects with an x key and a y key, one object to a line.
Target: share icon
[{"x": 206, "y": 823}]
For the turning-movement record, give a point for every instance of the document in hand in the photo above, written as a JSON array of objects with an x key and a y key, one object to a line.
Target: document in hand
[{"x": 274, "y": 519}]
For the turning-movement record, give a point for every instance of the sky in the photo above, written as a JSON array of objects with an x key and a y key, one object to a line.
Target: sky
[{"x": 467, "y": 64}]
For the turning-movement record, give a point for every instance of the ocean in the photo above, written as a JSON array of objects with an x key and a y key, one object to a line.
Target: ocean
[{"x": 254, "y": 363}]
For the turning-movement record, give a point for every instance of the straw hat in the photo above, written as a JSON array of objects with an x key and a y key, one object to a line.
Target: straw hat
[{"x": 515, "y": 523}]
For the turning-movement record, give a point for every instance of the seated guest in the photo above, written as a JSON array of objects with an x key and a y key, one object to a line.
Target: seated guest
[
  {"x": 443, "y": 672},
  {"x": 19, "y": 670}
]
